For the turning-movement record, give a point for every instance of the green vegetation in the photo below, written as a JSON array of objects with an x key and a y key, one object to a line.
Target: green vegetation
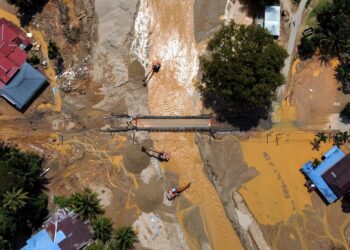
[
  {"x": 333, "y": 28},
  {"x": 341, "y": 138},
  {"x": 307, "y": 47},
  {"x": 345, "y": 113},
  {"x": 85, "y": 203},
  {"x": 34, "y": 59},
  {"x": 242, "y": 73},
  {"x": 332, "y": 37},
  {"x": 316, "y": 143},
  {"x": 55, "y": 54},
  {"x": 125, "y": 238},
  {"x": 23, "y": 204},
  {"x": 343, "y": 72},
  {"x": 311, "y": 19},
  {"x": 103, "y": 228},
  {"x": 97, "y": 246},
  {"x": 316, "y": 162},
  {"x": 53, "y": 51},
  {"x": 88, "y": 206}
]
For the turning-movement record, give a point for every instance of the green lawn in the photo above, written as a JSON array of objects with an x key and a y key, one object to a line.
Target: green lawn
[{"x": 311, "y": 19}]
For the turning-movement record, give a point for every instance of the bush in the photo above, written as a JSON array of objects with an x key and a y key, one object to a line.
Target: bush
[
  {"x": 34, "y": 59},
  {"x": 53, "y": 51},
  {"x": 345, "y": 113},
  {"x": 343, "y": 75},
  {"x": 306, "y": 48},
  {"x": 61, "y": 201}
]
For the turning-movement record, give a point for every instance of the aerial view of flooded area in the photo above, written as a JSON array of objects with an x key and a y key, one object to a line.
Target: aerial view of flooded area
[{"x": 171, "y": 124}]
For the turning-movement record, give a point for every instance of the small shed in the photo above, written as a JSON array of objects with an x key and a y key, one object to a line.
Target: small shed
[{"x": 272, "y": 20}]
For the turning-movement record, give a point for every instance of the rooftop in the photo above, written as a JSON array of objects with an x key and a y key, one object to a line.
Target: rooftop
[
  {"x": 272, "y": 19},
  {"x": 331, "y": 177},
  {"x": 62, "y": 231},
  {"x": 12, "y": 54},
  {"x": 19, "y": 81}
]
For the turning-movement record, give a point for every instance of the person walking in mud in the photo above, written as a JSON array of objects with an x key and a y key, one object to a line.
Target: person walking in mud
[{"x": 155, "y": 68}]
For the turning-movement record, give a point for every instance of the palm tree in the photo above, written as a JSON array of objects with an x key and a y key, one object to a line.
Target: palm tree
[
  {"x": 322, "y": 137},
  {"x": 338, "y": 139},
  {"x": 103, "y": 228},
  {"x": 86, "y": 204},
  {"x": 315, "y": 144},
  {"x": 15, "y": 199},
  {"x": 125, "y": 238},
  {"x": 345, "y": 136}
]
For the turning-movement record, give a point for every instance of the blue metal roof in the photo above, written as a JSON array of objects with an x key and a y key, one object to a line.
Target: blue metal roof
[
  {"x": 315, "y": 174},
  {"x": 23, "y": 86},
  {"x": 41, "y": 241}
]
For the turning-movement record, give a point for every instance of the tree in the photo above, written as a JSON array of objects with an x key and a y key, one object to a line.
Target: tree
[
  {"x": 61, "y": 201},
  {"x": 96, "y": 246},
  {"x": 316, "y": 162},
  {"x": 341, "y": 137},
  {"x": 345, "y": 113},
  {"x": 125, "y": 238},
  {"x": 86, "y": 204},
  {"x": 333, "y": 28},
  {"x": 20, "y": 182},
  {"x": 321, "y": 136},
  {"x": 343, "y": 72},
  {"x": 103, "y": 228},
  {"x": 241, "y": 73},
  {"x": 15, "y": 200}
]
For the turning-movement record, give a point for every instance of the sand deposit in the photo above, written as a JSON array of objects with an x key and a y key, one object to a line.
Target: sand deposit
[
  {"x": 149, "y": 196},
  {"x": 134, "y": 159}
]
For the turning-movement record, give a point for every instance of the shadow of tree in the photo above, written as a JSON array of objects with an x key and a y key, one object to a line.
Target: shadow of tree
[
  {"x": 244, "y": 120},
  {"x": 345, "y": 203},
  {"x": 27, "y": 13}
]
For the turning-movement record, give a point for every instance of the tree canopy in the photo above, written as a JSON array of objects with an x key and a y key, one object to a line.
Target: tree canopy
[
  {"x": 333, "y": 28},
  {"x": 23, "y": 204},
  {"x": 345, "y": 113},
  {"x": 103, "y": 228},
  {"x": 241, "y": 73}
]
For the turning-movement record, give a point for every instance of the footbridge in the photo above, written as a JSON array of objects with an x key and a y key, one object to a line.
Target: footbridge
[{"x": 202, "y": 123}]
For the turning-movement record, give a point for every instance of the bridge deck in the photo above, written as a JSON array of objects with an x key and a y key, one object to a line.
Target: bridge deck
[{"x": 172, "y": 123}]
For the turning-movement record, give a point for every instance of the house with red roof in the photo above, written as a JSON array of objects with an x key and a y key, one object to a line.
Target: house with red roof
[{"x": 19, "y": 81}]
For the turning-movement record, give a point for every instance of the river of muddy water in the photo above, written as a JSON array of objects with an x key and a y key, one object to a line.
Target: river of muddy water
[{"x": 172, "y": 92}]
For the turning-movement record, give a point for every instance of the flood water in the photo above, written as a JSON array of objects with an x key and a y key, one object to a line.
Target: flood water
[{"x": 172, "y": 92}]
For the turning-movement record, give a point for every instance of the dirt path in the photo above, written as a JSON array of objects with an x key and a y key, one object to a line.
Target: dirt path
[{"x": 172, "y": 92}]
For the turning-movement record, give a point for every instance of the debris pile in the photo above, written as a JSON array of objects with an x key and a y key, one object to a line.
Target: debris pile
[{"x": 76, "y": 72}]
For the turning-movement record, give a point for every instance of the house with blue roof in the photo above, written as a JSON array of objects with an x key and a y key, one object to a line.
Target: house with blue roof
[
  {"x": 62, "y": 231},
  {"x": 332, "y": 177}
]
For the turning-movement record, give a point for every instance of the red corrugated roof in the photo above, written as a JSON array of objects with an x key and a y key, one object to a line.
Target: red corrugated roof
[
  {"x": 11, "y": 56},
  {"x": 18, "y": 56}
]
